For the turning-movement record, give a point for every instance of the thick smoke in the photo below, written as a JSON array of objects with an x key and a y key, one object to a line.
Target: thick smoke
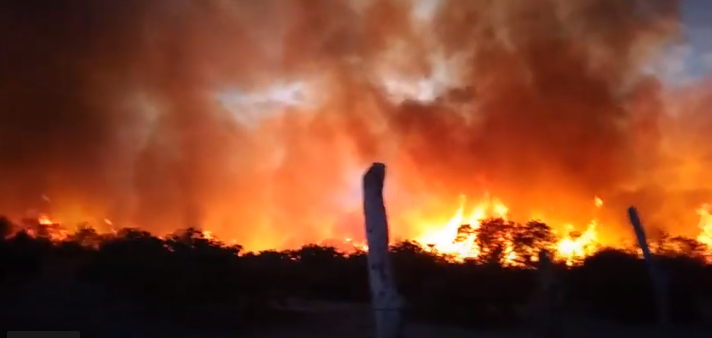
[
  {"x": 110, "y": 108},
  {"x": 556, "y": 89}
]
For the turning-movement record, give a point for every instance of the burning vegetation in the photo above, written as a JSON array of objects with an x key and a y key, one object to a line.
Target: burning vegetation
[
  {"x": 486, "y": 234},
  {"x": 163, "y": 115},
  {"x": 195, "y": 281},
  {"x": 244, "y": 122}
]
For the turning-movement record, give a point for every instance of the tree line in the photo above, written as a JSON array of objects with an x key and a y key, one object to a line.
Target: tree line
[{"x": 201, "y": 282}]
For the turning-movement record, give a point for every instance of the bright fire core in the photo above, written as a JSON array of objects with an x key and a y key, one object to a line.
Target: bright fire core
[
  {"x": 448, "y": 239},
  {"x": 571, "y": 247}
]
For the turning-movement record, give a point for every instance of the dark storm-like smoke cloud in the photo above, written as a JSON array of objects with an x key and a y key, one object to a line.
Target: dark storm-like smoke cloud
[
  {"x": 109, "y": 107},
  {"x": 558, "y": 90}
]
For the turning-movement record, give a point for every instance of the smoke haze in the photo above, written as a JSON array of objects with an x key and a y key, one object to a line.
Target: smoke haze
[{"x": 111, "y": 109}]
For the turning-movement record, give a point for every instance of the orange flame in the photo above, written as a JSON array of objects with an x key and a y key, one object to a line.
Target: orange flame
[
  {"x": 446, "y": 239},
  {"x": 705, "y": 225},
  {"x": 442, "y": 239}
]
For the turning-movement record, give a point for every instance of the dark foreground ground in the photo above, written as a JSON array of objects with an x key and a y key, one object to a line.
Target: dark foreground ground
[{"x": 58, "y": 304}]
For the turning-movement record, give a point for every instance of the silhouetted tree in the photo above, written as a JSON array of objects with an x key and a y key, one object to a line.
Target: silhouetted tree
[
  {"x": 493, "y": 239},
  {"x": 530, "y": 238},
  {"x": 86, "y": 236},
  {"x": 668, "y": 245},
  {"x": 414, "y": 267}
]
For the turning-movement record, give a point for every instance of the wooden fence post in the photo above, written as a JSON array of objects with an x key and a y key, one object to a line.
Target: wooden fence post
[
  {"x": 385, "y": 300},
  {"x": 547, "y": 297},
  {"x": 656, "y": 275}
]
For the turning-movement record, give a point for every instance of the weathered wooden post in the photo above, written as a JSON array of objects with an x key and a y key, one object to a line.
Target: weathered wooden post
[
  {"x": 656, "y": 275},
  {"x": 384, "y": 297},
  {"x": 547, "y": 304}
]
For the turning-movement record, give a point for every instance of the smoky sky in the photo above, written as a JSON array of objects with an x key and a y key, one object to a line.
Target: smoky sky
[{"x": 109, "y": 108}]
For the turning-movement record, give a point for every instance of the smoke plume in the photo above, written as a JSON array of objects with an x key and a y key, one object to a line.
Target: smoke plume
[{"x": 111, "y": 108}]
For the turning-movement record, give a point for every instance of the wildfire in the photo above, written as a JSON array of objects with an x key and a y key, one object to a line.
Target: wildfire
[
  {"x": 47, "y": 227},
  {"x": 208, "y": 234},
  {"x": 449, "y": 239},
  {"x": 577, "y": 246},
  {"x": 356, "y": 245},
  {"x": 705, "y": 225},
  {"x": 572, "y": 247},
  {"x": 44, "y": 220},
  {"x": 442, "y": 240}
]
